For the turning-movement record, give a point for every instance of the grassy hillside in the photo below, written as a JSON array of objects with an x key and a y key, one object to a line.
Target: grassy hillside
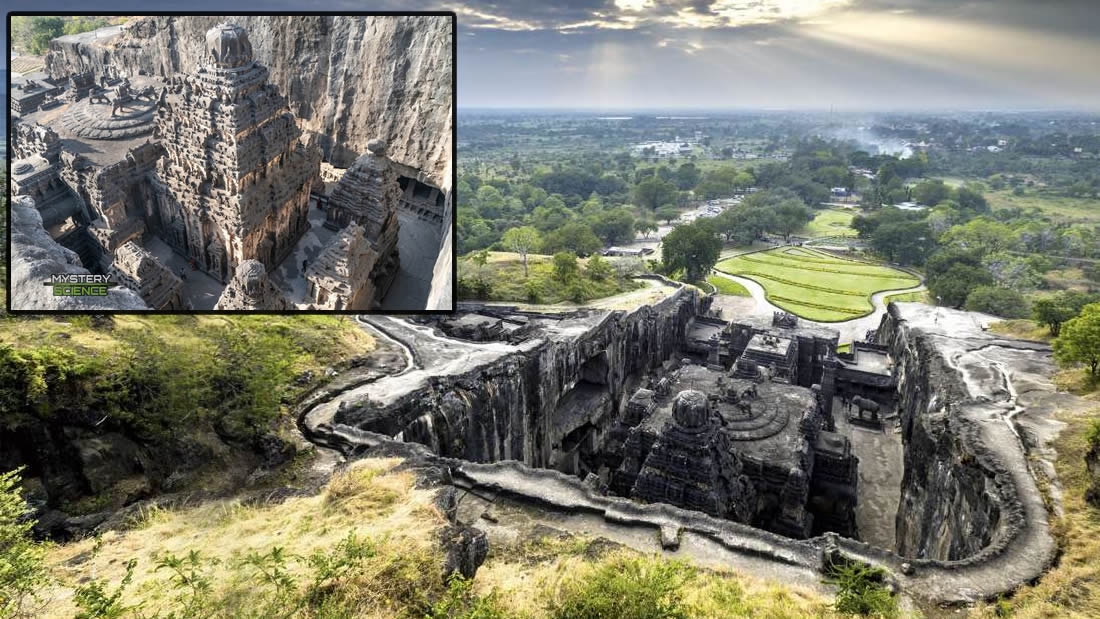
[
  {"x": 111, "y": 410},
  {"x": 367, "y": 546},
  {"x": 817, "y": 285}
]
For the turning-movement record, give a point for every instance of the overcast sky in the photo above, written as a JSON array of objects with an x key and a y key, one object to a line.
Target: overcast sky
[{"x": 859, "y": 54}]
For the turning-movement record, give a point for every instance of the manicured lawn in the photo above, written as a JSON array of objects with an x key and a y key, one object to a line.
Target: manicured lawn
[
  {"x": 921, "y": 296},
  {"x": 727, "y": 286},
  {"x": 817, "y": 285},
  {"x": 831, "y": 222}
]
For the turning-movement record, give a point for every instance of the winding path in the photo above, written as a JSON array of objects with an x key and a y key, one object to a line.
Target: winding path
[{"x": 850, "y": 330}]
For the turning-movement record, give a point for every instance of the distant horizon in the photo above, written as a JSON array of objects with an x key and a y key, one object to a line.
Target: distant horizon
[
  {"x": 743, "y": 109},
  {"x": 784, "y": 55}
]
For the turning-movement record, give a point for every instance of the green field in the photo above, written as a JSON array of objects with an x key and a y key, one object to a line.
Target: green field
[
  {"x": 1034, "y": 197},
  {"x": 727, "y": 286},
  {"x": 817, "y": 285},
  {"x": 1056, "y": 206},
  {"x": 831, "y": 222}
]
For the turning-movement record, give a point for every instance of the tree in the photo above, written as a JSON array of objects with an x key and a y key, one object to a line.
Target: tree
[
  {"x": 790, "y": 215},
  {"x": 522, "y": 240},
  {"x": 906, "y": 242},
  {"x": 971, "y": 200},
  {"x": 614, "y": 226},
  {"x": 1003, "y": 302},
  {"x": 692, "y": 247},
  {"x": 565, "y": 265},
  {"x": 667, "y": 212},
  {"x": 931, "y": 192},
  {"x": 954, "y": 285},
  {"x": 687, "y": 176},
  {"x": 44, "y": 30},
  {"x": 22, "y": 561},
  {"x": 1079, "y": 341},
  {"x": 653, "y": 192},
  {"x": 1056, "y": 309},
  {"x": 573, "y": 236},
  {"x": 646, "y": 227},
  {"x": 597, "y": 268}
]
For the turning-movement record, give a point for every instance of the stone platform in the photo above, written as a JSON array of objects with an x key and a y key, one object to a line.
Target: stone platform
[{"x": 93, "y": 120}]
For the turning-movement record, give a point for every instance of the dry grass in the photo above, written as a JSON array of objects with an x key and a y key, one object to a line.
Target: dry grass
[
  {"x": 530, "y": 578},
  {"x": 228, "y": 530},
  {"x": 1022, "y": 329},
  {"x": 371, "y": 501}
]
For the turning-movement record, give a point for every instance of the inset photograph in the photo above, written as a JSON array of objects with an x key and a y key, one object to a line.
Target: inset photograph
[{"x": 267, "y": 163}]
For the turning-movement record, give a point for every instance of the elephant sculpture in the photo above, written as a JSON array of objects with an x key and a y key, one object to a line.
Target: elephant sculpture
[{"x": 863, "y": 404}]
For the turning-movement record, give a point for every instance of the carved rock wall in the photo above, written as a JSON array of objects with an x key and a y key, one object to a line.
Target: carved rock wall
[
  {"x": 952, "y": 500},
  {"x": 350, "y": 78},
  {"x": 518, "y": 407}
]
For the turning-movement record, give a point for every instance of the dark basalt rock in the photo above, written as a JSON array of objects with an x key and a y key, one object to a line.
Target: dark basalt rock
[
  {"x": 465, "y": 550},
  {"x": 691, "y": 465},
  {"x": 1092, "y": 463}
]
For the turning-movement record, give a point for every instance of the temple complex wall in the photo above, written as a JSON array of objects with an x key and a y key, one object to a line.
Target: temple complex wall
[{"x": 397, "y": 68}]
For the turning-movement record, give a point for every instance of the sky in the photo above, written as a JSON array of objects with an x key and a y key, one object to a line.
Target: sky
[{"x": 753, "y": 54}]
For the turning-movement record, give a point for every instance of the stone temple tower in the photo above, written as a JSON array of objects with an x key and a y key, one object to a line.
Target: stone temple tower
[{"x": 235, "y": 182}]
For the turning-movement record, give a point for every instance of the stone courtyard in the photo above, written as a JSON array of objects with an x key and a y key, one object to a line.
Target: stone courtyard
[{"x": 199, "y": 169}]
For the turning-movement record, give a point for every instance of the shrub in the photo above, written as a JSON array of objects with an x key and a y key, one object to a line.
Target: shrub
[
  {"x": 1093, "y": 434},
  {"x": 1003, "y": 302},
  {"x": 460, "y": 602},
  {"x": 624, "y": 586},
  {"x": 22, "y": 561},
  {"x": 861, "y": 590},
  {"x": 598, "y": 268},
  {"x": 565, "y": 265}
]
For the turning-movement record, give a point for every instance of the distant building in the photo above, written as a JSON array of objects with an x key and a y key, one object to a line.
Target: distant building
[
  {"x": 839, "y": 192},
  {"x": 631, "y": 252}
]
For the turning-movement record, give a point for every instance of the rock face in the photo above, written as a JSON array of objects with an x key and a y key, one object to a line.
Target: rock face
[
  {"x": 537, "y": 402},
  {"x": 692, "y": 466},
  {"x": 966, "y": 398},
  {"x": 397, "y": 69},
  {"x": 250, "y": 289},
  {"x": 465, "y": 549},
  {"x": 36, "y": 256},
  {"x": 1092, "y": 463}
]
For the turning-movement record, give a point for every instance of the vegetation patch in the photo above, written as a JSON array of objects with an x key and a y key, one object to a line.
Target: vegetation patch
[
  {"x": 725, "y": 285},
  {"x": 861, "y": 590},
  {"x": 499, "y": 276}
]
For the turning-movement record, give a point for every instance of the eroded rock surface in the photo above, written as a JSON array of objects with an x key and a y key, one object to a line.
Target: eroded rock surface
[{"x": 396, "y": 69}]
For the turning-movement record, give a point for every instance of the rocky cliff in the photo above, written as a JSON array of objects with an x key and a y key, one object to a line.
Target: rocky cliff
[
  {"x": 536, "y": 402},
  {"x": 349, "y": 78},
  {"x": 968, "y": 487}
]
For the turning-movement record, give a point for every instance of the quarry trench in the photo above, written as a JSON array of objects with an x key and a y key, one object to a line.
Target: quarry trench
[{"x": 451, "y": 396}]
